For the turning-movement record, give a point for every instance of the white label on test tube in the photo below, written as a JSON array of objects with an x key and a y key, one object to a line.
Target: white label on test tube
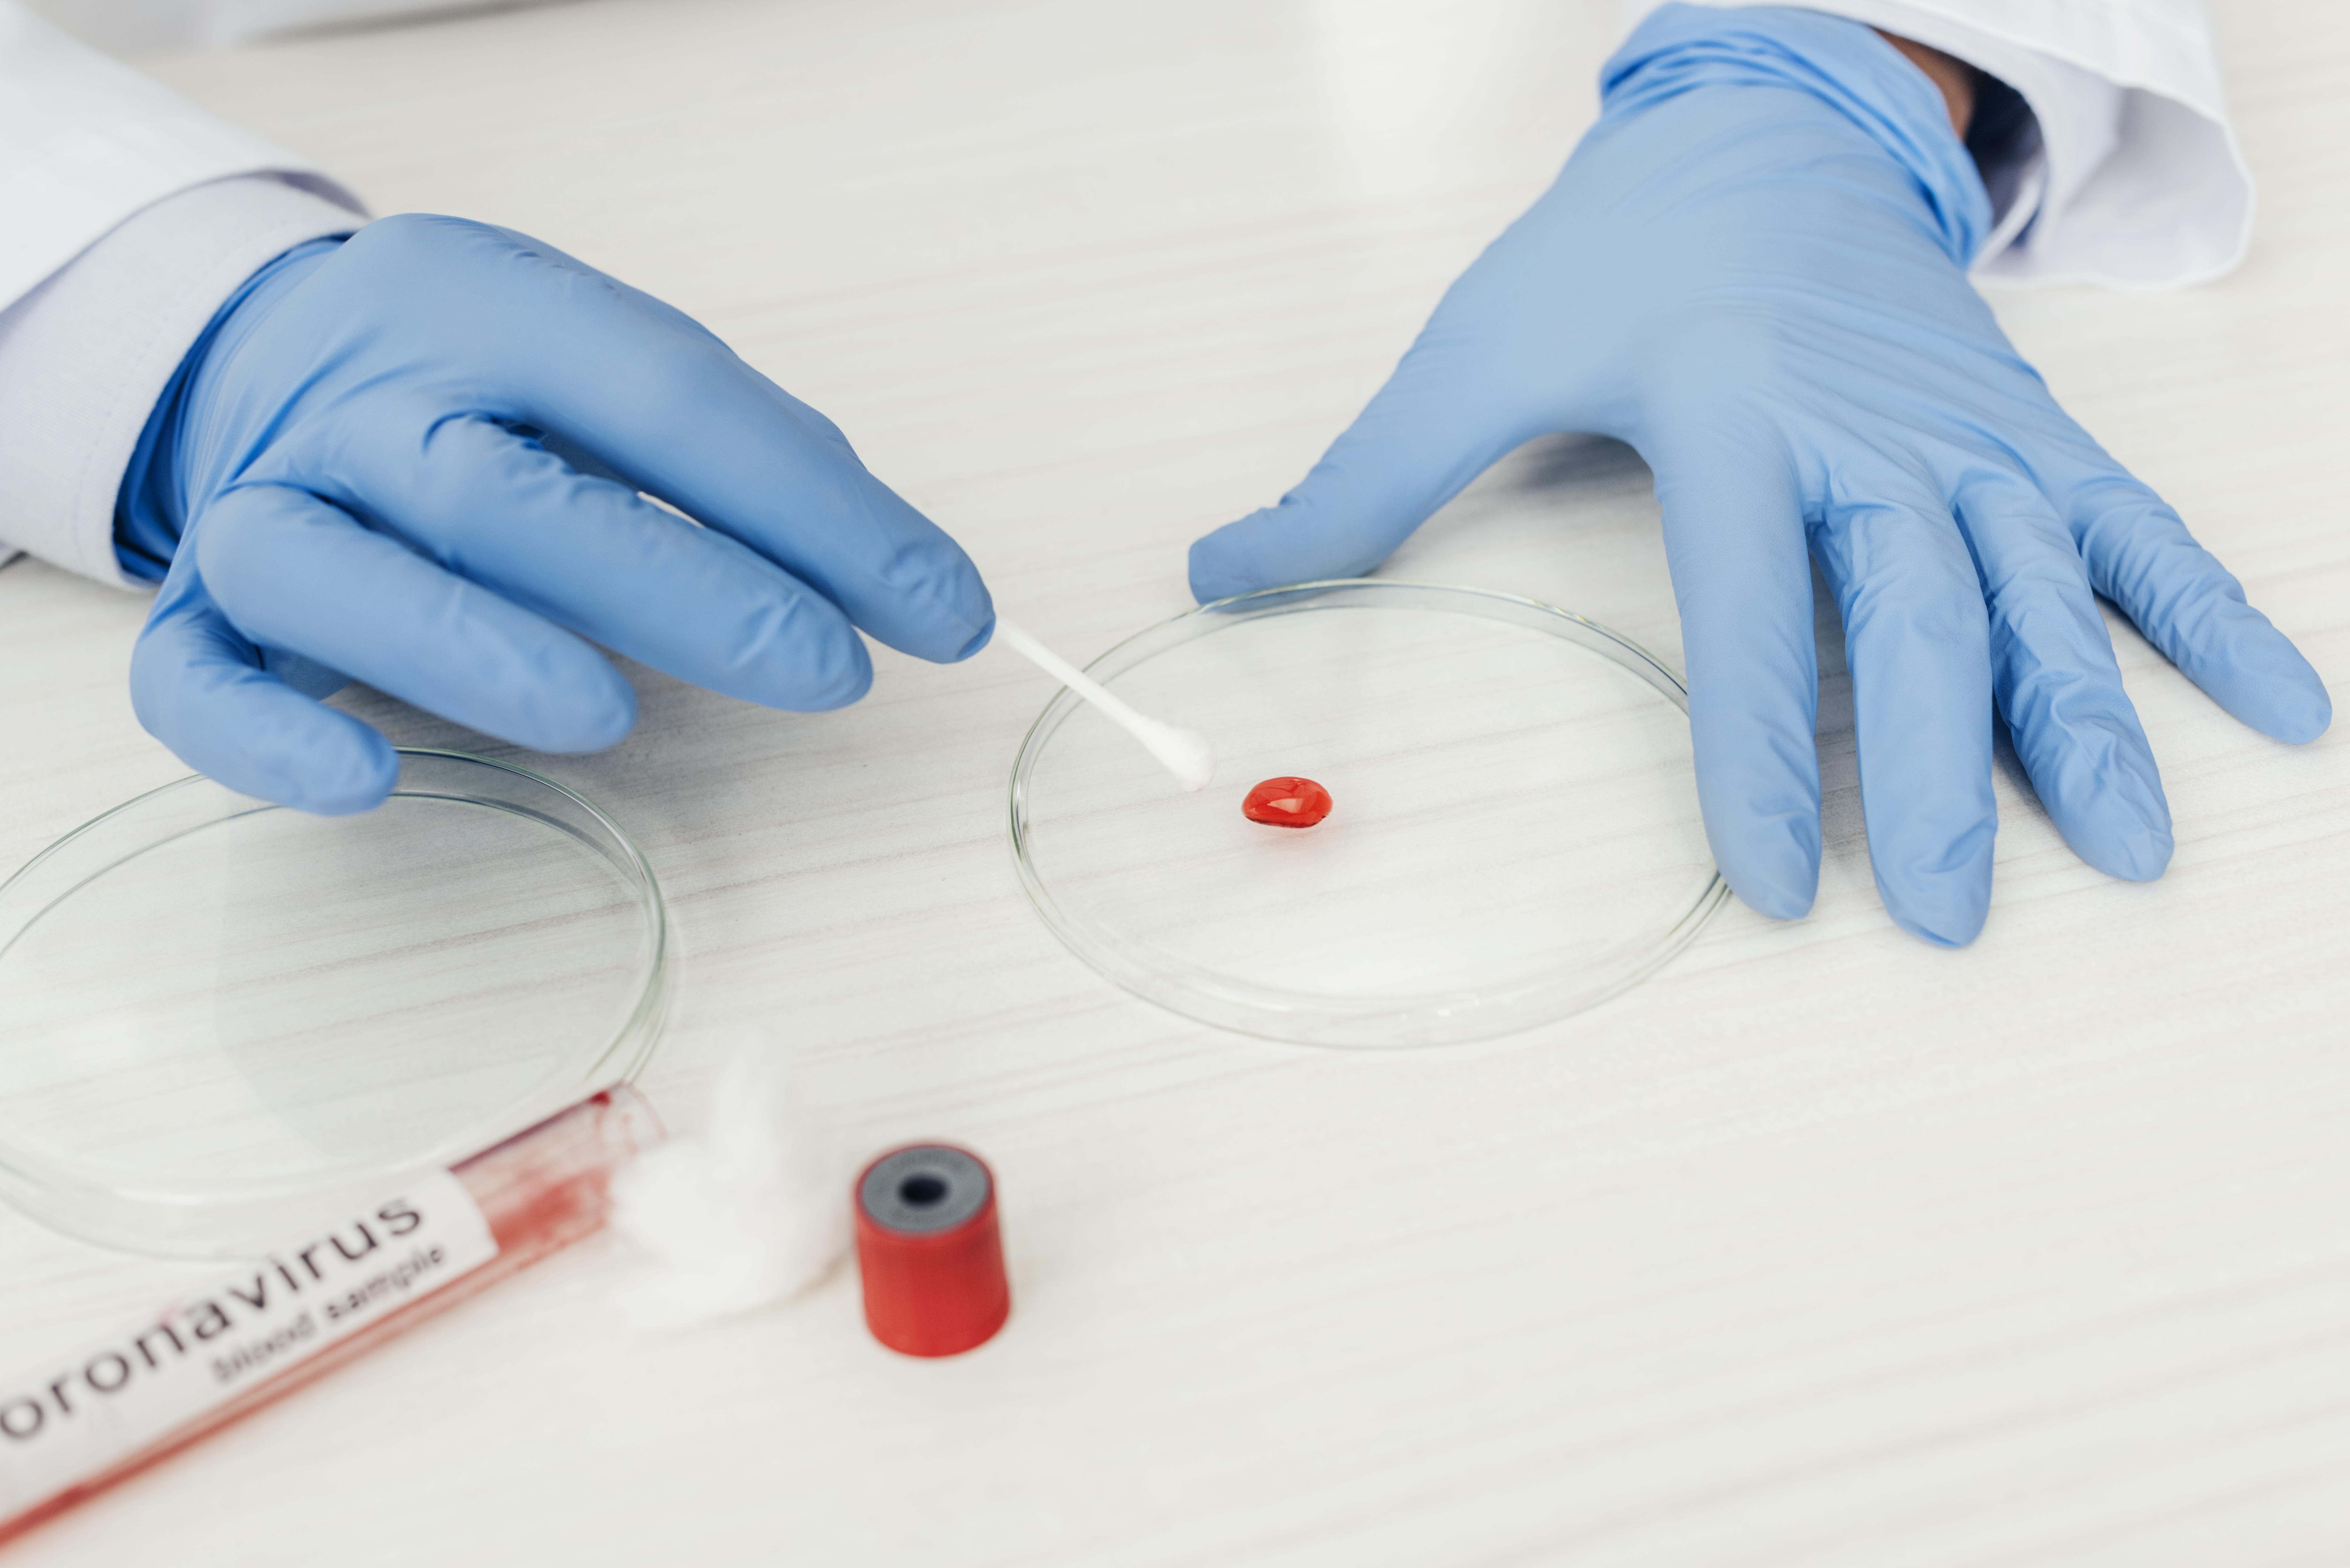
[{"x": 65, "y": 1426}]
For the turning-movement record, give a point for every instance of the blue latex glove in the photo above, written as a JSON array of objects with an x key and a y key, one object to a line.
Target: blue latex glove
[
  {"x": 413, "y": 458},
  {"x": 1753, "y": 270}
]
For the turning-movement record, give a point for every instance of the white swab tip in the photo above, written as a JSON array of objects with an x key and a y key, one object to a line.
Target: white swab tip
[{"x": 1183, "y": 753}]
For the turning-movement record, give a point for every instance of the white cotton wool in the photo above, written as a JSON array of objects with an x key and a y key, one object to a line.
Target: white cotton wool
[{"x": 752, "y": 1209}]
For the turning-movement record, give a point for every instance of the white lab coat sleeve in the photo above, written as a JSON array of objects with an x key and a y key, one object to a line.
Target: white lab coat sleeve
[
  {"x": 140, "y": 26},
  {"x": 86, "y": 354},
  {"x": 127, "y": 216},
  {"x": 2135, "y": 179}
]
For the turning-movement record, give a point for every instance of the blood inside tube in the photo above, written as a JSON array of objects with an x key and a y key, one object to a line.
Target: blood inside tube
[
  {"x": 443, "y": 1239},
  {"x": 1287, "y": 801}
]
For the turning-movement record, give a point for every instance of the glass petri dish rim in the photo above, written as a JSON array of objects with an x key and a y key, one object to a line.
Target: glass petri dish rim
[
  {"x": 78, "y": 1198},
  {"x": 1307, "y": 1018}
]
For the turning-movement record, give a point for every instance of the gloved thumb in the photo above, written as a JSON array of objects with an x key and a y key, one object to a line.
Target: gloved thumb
[{"x": 1437, "y": 424}]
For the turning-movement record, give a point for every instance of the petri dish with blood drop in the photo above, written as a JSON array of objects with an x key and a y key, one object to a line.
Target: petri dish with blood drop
[
  {"x": 222, "y": 1020},
  {"x": 1506, "y": 833}
]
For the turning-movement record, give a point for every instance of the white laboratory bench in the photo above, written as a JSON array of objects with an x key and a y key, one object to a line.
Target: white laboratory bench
[{"x": 1822, "y": 1246}]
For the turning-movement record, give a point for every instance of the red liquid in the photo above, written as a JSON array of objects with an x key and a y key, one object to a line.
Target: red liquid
[
  {"x": 541, "y": 1189},
  {"x": 1287, "y": 803}
]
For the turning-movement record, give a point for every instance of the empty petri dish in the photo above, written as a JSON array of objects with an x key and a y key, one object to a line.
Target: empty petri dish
[
  {"x": 1512, "y": 836},
  {"x": 222, "y": 1020}
]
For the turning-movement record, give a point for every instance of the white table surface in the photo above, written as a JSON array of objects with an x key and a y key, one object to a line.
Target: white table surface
[{"x": 1822, "y": 1246}]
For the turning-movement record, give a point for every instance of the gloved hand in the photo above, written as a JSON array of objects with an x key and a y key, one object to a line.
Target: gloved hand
[
  {"x": 357, "y": 474},
  {"x": 1753, "y": 270}
]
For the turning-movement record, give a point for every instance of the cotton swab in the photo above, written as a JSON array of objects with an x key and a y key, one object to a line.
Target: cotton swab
[{"x": 1183, "y": 753}]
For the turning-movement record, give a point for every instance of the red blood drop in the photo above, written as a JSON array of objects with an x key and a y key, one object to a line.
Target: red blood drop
[{"x": 1287, "y": 803}]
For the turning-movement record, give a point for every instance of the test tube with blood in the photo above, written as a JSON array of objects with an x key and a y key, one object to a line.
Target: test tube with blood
[{"x": 82, "y": 1424}]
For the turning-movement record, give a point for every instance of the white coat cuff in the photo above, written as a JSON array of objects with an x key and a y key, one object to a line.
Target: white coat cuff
[
  {"x": 2138, "y": 181},
  {"x": 85, "y": 355}
]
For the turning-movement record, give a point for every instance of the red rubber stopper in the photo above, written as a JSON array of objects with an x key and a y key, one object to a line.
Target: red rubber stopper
[{"x": 929, "y": 1250}]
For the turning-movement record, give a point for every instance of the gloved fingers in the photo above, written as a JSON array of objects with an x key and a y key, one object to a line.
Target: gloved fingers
[
  {"x": 1734, "y": 537},
  {"x": 306, "y": 676},
  {"x": 502, "y": 510},
  {"x": 201, "y": 688},
  {"x": 2055, "y": 678},
  {"x": 2141, "y": 557},
  {"x": 656, "y": 397},
  {"x": 1918, "y": 641},
  {"x": 747, "y": 459},
  {"x": 1435, "y": 426},
  {"x": 290, "y": 570}
]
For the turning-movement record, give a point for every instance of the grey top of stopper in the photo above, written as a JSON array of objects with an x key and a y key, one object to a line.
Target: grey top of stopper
[{"x": 925, "y": 1190}]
